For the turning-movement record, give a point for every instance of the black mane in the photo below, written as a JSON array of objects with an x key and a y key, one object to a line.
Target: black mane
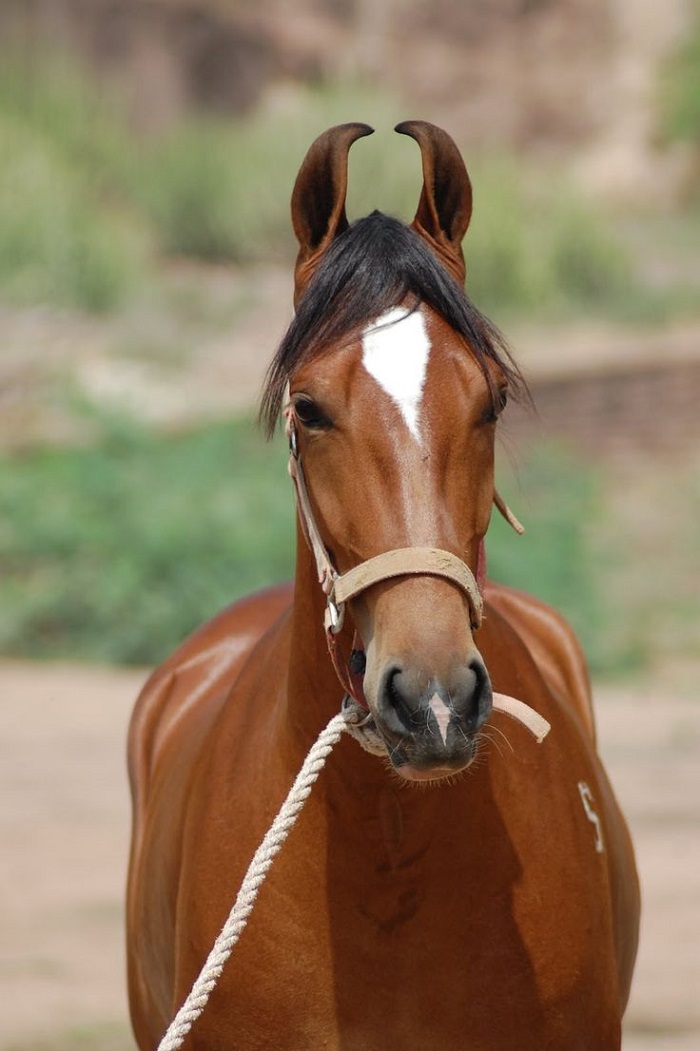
[{"x": 376, "y": 264}]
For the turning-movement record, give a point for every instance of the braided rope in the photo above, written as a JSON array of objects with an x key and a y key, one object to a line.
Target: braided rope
[
  {"x": 254, "y": 878},
  {"x": 353, "y": 719}
]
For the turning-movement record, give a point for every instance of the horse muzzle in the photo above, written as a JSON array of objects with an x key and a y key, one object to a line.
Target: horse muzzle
[{"x": 430, "y": 725}]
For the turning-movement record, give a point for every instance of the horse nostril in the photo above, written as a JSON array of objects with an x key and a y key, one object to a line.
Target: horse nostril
[
  {"x": 407, "y": 698},
  {"x": 481, "y": 701},
  {"x": 401, "y": 704}
]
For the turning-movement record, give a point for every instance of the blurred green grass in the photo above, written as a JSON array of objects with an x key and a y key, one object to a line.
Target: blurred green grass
[
  {"x": 679, "y": 89},
  {"x": 60, "y": 242},
  {"x": 115, "y": 552},
  {"x": 90, "y": 209}
]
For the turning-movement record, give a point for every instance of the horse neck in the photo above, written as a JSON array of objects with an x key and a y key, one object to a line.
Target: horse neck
[{"x": 314, "y": 693}]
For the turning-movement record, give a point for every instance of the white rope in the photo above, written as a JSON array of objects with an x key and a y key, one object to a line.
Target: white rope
[
  {"x": 254, "y": 878},
  {"x": 355, "y": 720}
]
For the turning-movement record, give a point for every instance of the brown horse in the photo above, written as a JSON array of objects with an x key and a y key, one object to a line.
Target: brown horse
[{"x": 493, "y": 910}]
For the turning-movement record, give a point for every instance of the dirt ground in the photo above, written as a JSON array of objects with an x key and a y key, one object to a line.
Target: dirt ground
[{"x": 64, "y": 831}]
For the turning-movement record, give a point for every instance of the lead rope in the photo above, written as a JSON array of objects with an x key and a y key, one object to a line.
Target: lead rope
[
  {"x": 254, "y": 879},
  {"x": 352, "y": 719}
]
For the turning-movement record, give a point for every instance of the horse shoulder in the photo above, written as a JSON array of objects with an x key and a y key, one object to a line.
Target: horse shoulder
[
  {"x": 172, "y": 716},
  {"x": 556, "y": 653},
  {"x": 197, "y": 675},
  {"x": 554, "y": 648},
  {"x": 177, "y": 707}
]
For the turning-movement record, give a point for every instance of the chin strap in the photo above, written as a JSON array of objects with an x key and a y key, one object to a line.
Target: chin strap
[{"x": 361, "y": 724}]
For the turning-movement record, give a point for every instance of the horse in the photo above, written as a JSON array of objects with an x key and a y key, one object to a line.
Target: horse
[{"x": 466, "y": 889}]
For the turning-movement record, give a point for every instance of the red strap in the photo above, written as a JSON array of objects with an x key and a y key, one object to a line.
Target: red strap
[
  {"x": 481, "y": 567},
  {"x": 352, "y": 682}
]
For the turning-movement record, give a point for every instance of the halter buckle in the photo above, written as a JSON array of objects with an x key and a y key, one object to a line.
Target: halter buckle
[{"x": 335, "y": 615}]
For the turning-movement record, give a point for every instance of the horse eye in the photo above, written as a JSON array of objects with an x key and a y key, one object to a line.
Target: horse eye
[{"x": 310, "y": 415}]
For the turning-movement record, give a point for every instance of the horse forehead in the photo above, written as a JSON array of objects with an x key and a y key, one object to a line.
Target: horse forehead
[{"x": 396, "y": 349}]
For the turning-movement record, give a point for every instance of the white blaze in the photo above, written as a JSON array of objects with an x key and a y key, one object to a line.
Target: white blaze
[
  {"x": 395, "y": 351},
  {"x": 442, "y": 715}
]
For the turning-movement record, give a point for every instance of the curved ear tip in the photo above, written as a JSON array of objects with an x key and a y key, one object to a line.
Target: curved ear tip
[
  {"x": 344, "y": 134},
  {"x": 357, "y": 127},
  {"x": 411, "y": 127}
]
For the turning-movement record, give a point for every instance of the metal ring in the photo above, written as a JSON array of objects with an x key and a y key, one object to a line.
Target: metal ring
[{"x": 336, "y": 616}]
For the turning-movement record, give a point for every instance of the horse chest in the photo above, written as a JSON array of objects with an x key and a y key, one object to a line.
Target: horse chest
[
  {"x": 394, "y": 891},
  {"x": 402, "y": 882}
]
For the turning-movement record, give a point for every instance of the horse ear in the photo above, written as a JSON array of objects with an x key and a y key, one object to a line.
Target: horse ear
[
  {"x": 445, "y": 205},
  {"x": 318, "y": 198}
]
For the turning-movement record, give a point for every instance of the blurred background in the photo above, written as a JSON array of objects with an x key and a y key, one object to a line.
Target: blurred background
[{"x": 147, "y": 154}]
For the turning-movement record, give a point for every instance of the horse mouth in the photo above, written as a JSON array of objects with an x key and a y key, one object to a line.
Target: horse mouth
[
  {"x": 423, "y": 756},
  {"x": 418, "y": 760}
]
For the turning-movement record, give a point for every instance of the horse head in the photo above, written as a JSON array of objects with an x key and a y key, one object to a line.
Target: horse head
[{"x": 396, "y": 382}]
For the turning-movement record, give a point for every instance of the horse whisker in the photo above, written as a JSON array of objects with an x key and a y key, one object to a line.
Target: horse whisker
[{"x": 502, "y": 733}]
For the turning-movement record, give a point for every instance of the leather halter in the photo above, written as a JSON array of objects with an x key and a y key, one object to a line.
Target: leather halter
[{"x": 405, "y": 561}]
